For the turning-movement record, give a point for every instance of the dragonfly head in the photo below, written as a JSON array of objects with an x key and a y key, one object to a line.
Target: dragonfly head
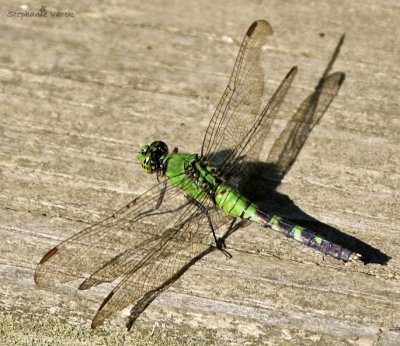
[{"x": 152, "y": 156}]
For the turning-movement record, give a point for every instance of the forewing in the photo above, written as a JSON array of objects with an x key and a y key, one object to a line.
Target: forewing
[
  {"x": 249, "y": 148},
  {"x": 138, "y": 223},
  {"x": 240, "y": 103}
]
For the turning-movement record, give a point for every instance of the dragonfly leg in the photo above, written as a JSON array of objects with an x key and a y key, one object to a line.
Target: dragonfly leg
[
  {"x": 153, "y": 211},
  {"x": 219, "y": 242}
]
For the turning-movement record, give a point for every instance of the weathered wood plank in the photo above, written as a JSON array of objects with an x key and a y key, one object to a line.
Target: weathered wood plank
[{"x": 79, "y": 96}]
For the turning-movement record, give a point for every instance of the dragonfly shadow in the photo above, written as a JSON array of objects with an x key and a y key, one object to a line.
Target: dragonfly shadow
[
  {"x": 262, "y": 179},
  {"x": 262, "y": 190}
]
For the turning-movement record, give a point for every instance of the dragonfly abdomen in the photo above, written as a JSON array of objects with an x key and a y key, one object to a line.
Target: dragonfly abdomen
[
  {"x": 199, "y": 180},
  {"x": 233, "y": 203},
  {"x": 302, "y": 235}
]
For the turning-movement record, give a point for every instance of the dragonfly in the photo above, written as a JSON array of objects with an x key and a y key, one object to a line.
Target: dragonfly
[{"x": 144, "y": 244}]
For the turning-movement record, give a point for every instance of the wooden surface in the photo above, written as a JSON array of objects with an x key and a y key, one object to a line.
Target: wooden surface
[{"x": 79, "y": 96}]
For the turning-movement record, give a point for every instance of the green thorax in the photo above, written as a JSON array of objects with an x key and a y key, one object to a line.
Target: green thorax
[
  {"x": 201, "y": 180},
  {"x": 191, "y": 174}
]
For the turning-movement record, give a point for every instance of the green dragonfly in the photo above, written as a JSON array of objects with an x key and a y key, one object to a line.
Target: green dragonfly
[{"x": 149, "y": 240}]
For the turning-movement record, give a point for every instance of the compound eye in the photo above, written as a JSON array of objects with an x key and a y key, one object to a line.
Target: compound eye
[{"x": 159, "y": 147}]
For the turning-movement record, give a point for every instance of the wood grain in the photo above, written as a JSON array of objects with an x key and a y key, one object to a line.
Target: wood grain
[{"x": 80, "y": 95}]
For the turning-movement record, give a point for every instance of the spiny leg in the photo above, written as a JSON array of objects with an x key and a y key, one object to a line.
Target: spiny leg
[
  {"x": 219, "y": 242},
  {"x": 153, "y": 211}
]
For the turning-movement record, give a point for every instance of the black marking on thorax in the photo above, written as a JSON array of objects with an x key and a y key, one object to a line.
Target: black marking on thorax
[{"x": 193, "y": 172}]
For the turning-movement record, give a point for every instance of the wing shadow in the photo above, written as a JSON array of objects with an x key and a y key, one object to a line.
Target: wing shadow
[{"x": 268, "y": 176}]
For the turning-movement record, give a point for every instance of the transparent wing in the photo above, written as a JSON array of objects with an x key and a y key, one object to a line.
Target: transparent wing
[
  {"x": 143, "y": 221},
  {"x": 249, "y": 148},
  {"x": 240, "y": 103},
  {"x": 144, "y": 243},
  {"x": 159, "y": 260}
]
